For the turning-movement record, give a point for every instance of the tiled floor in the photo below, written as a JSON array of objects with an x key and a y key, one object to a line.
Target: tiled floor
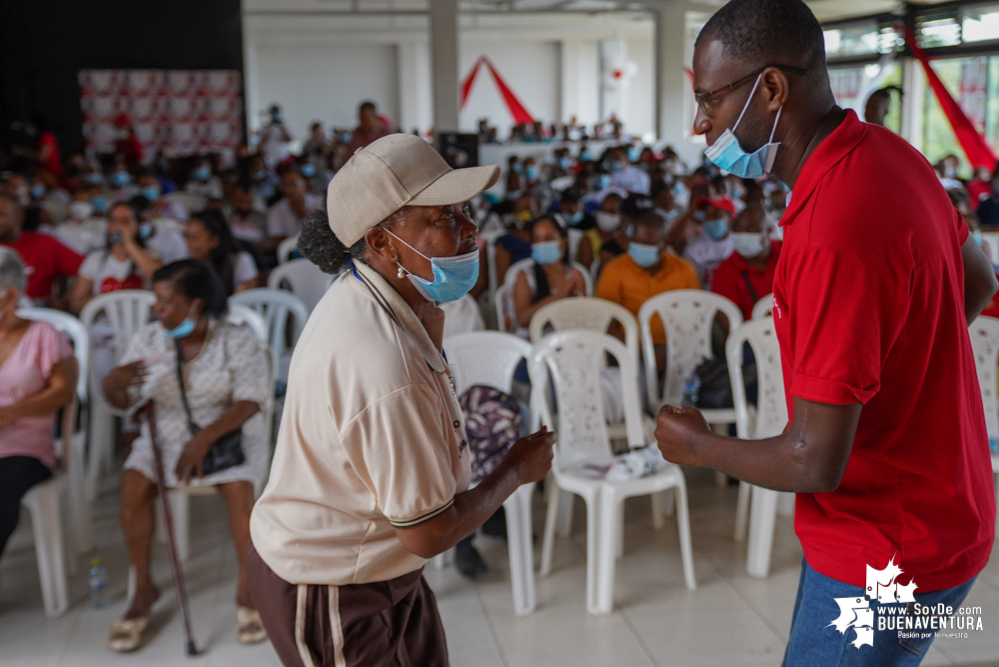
[{"x": 730, "y": 619}]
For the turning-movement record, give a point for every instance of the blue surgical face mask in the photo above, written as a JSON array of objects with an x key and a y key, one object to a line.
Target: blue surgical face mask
[
  {"x": 151, "y": 192},
  {"x": 727, "y": 154},
  {"x": 584, "y": 156},
  {"x": 616, "y": 167},
  {"x": 633, "y": 154},
  {"x": 576, "y": 218},
  {"x": 308, "y": 170},
  {"x": 716, "y": 228},
  {"x": 37, "y": 190},
  {"x": 977, "y": 235},
  {"x": 563, "y": 163},
  {"x": 531, "y": 172},
  {"x": 120, "y": 179},
  {"x": 185, "y": 328},
  {"x": 146, "y": 230},
  {"x": 603, "y": 181},
  {"x": 546, "y": 252},
  {"x": 700, "y": 216},
  {"x": 100, "y": 203},
  {"x": 644, "y": 255},
  {"x": 516, "y": 168},
  {"x": 454, "y": 277},
  {"x": 202, "y": 173},
  {"x": 94, "y": 178}
]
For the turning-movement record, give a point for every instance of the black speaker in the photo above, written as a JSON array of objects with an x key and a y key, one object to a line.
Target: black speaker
[{"x": 460, "y": 150}]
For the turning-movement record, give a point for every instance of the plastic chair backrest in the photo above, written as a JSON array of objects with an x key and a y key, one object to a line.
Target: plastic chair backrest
[
  {"x": 485, "y": 358},
  {"x": 504, "y": 309},
  {"x": 275, "y": 306},
  {"x": 304, "y": 279},
  {"x": 687, "y": 316},
  {"x": 462, "y": 316},
  {"x": 594, "y": 272},
  {"x": 575, "y": 238},
  {"x": 127, "y": 311},
  {"x": 287, "y": 248},
  {"x": 72, "y": 327},
  {"x": 771, "y": 406},
  {"x": 586, "y": 314},
  {"x": 245, "y": 316},
  {"x": 764, "y": 307},
  {"x": 984, "y": 333},
  {"x": 525, "y": 264},
  {"x": 571, "y": 361}
]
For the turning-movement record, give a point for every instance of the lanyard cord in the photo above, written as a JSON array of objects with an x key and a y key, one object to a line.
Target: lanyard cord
[{"x": 379, "y": 297}]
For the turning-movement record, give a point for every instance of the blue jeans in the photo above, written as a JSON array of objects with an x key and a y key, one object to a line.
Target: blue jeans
[{"x": 815, "y": 642}]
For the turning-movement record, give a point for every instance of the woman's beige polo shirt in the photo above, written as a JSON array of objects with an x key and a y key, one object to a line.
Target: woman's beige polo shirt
[{"x": 371, "y": 438}]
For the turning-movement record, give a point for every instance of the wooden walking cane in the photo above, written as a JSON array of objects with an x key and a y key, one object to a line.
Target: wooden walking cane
[{"x": 161, "y": 490}]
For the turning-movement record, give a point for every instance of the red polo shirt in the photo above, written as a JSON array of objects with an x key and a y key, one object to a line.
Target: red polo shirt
[
  {"x": 869, "y": 308},
  {"x": 743, "y": 284},
  {"x": 45, "y": 259}
]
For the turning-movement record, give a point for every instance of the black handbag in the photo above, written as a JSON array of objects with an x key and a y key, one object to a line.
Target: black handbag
[{"x": 227, "y": 452}]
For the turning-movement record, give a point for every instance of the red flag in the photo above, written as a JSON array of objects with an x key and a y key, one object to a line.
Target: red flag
[
  {"x": 517, "y": 110},
  {"x": 979, "y": 153}
]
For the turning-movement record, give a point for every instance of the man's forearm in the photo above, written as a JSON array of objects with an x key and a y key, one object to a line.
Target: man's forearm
[{"x": 779, "y": 463}]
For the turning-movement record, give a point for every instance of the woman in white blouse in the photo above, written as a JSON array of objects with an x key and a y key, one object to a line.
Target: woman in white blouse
[
  {"x": 210, "y": 239},
  {"x": 226, "y": 387}
]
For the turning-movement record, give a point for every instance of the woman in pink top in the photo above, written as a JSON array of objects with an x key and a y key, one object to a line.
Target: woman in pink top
[{"x": 36, "y": 368}]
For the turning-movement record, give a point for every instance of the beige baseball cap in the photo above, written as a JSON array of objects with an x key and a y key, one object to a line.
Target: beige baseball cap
[{"x": 395, "y": 171}]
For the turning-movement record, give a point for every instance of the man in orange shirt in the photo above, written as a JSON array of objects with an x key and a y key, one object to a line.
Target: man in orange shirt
[{"x": 646, "y": 270}]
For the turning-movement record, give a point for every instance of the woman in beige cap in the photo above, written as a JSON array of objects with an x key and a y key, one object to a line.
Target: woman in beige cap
[{"x": 370, "y": 475}]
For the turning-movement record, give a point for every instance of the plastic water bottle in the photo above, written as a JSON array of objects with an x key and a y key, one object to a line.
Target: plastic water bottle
[
  {"x": 691, "y": 389},
  {"x": 98, "y": 580}
]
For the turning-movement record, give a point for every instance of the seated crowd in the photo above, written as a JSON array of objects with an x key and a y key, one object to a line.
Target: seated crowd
[{"x": 624, "y": 225}]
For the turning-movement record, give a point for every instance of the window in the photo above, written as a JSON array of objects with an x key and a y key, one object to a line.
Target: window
[
  {"x": 861, "y": 39},
  {"x": 980, "y": 24}
]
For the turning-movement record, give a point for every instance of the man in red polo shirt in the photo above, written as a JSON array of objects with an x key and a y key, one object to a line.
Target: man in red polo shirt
[
  {"x": 876, "y": 285},
  {"x": 45, "y": 259}
]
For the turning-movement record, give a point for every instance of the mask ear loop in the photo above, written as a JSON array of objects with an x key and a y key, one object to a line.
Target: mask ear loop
[
  {"x": 746, "y": 106},
  {"x": 773, "y": 132}
]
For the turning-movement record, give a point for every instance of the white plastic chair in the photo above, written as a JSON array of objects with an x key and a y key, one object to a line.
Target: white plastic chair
[
  {"x": 504, "y": 309},
  {"x": 43, "y": 504},
  {"x": 73, "y": 458},
  {"x": 304, "y": 280},
  {"x": 191, "y": 202},
  {"x": 572, "y": 361},
  {"x": 126, "y": 311},
  {"x": 245, "y": 316},
  {"x": 763, "y": 307},
  {"x": 575, "y": 238},
  {"x": 984, "y": 333},
  {"x": 462, "y": 316},
  {"x": 490, "y": 358},
  {"x": 766, "y": 421},
  {"x": 276, "y": 307},
  {"x": 687, "y": 316},
  {"x": 517, "y": 267},
  {"x": 287, "y": 248}
]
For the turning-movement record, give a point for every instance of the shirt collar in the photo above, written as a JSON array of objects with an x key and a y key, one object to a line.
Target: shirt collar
[
  {"x": 840, "y": 142},
  {"x": 407, "y": 318}
]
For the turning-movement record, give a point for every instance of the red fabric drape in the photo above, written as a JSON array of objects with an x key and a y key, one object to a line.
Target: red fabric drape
[
  {"x": 466, "y": 87},
  {"x": 517, "y": 110},
  {"x": 979, "y": 153}
]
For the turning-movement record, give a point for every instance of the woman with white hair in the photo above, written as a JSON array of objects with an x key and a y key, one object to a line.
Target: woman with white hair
[{"x": 37, "y": 371}]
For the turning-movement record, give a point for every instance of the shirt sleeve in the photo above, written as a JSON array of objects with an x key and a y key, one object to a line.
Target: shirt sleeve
[
  {"x": 398, "y": 446},
  {"x": 88, "y": 269},
  {"x": 245, "y": 269},
  {"x": 609, "y": 284},
  {"x": 963, "y": 232},
  {"x": 67, "y": 262},
  {"x": 53, "y": 348},
  {"x": 845, "y": 314}
]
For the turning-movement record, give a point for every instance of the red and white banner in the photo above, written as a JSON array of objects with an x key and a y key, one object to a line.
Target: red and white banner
[{"x": 180, "y": 112}]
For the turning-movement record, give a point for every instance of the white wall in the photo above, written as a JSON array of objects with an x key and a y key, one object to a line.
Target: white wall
[
  {"x": 530, "y": 70},
  {"x": 316, "y": 81}
]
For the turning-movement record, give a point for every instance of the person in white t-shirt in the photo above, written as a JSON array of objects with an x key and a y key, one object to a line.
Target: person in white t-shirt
[
  {"x": 274, "y": 138},
  {"x": 162, "y": 235},
  {"x": 82, "y": 231},
  {"x": 284, "y": 219},
  {"x": 626, "y": 175},
  {"x": 209, "y": 239},
  {"x": 124, "y": 263}
]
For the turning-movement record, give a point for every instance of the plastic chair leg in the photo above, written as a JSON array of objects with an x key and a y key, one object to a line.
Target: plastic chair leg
[
  {"x": 518, "y": 529},
  {"x": 669, "y": 507},
  {"x": 742, "y": 511},
  {"x": 619, "y": 530},
  {"x": 608, "y": 514},
  {"x": 551, "y": 518},
  {"x": 593, "y": 536},
  {"x": 683, "y": 522},
  {"x": 180, "y": 506},
  {"x": 101, "y": 437},
  {"x": 658, "y": 512},
  {"x": 43, "y": 504},
  {"x": 763, "y": 521},
  {"x": 785, "y": 506},
  {"x": 565, "y": 506},
  {"x": 79, "y": 506}
]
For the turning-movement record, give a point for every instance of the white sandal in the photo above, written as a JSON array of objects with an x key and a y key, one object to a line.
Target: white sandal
[
  {"x": 126, "y": 634},
  {"x": 249, "y": 626}
]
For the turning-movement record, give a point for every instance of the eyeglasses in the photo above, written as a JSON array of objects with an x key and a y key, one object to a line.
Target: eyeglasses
[{"x": 706, "y": 101}]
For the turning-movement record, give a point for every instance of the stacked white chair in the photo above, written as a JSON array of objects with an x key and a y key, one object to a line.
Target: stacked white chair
[
  {"x": 45, "y": 501},
  {"x": 984, "y": 333},
  {"x": 766, "y": 421},
  {"x": 490, "y": 358},
  {"x": 304, "y": 280},
  {"x": 245, "y": 316},
  {"x": 126, "y": 311},
  {"x": 571, "y": 362},
  {"x": 277, "y": 307}
]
